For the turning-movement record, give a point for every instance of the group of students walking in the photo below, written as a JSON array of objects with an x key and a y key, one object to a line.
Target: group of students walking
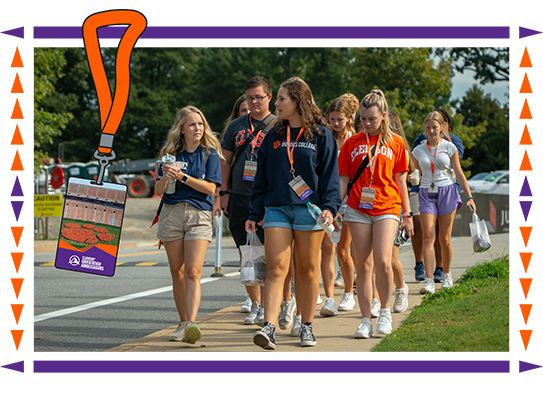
[{"x": 353, "y": 164}]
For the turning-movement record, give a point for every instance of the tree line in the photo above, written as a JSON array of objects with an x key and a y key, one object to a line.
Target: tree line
[{"x": 414, "y": 80}]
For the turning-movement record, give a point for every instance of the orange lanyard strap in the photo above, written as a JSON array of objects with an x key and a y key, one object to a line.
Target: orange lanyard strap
[
  {"x": 433, "y": 155},
  {"x": 290, "y": 151},
  {"x": 372, "y": 160},
  {"x": 111, "y": 109}
]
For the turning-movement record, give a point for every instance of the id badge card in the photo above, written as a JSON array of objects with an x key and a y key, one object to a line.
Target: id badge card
[
  {"x": 249, "y": 171},
  {"x": 91, "y": 226},
  {"x": 432, "y": 191},
  {"x": 300, "y": 188},
  {"x": 367, "y": 197}
]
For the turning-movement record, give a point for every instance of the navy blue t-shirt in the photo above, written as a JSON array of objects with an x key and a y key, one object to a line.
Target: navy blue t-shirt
[
  {"x": 194, "y": 165},
  {"x": 314, "y": 160},
  {"x": 457, "y": 143}
]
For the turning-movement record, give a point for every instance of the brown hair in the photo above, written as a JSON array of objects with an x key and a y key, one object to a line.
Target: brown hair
[
  {"x": 310, "y": 113},
  {"x": 397, "y": 128},
  {"x": 342, "y": 105},
  {"x": 257, "y": 81},
  {"x": 235, "y": 112}
]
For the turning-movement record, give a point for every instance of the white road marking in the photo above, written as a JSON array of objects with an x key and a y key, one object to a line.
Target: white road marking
[{"x": 101, "y": 303}]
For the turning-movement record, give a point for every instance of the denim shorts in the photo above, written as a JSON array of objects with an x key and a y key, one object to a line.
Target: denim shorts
[
  {"x": 290, "y": 217},
  {"x": 447, "y": 201},
  {"x": 353, "y": 215}
]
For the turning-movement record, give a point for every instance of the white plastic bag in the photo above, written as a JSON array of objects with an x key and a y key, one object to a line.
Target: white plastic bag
[
  {"x": 253, "y": 262},
  {"x": 479, "y": 234}
]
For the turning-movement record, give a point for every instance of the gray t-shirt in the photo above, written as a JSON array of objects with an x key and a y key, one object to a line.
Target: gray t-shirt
[{"x": 235, "y": 135}]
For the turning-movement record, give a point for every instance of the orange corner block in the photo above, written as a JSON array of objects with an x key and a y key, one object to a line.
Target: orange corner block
[
  {"x": 528, "y": 89},
  {"x": 529, "y": 316},
  {"x": 13, "y": 110},
  {"x": 13, "y": 287}
]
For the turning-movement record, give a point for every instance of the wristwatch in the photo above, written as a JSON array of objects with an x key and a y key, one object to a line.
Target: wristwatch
[
  {"x": 408, "y": 215},
  {"x": 223, "y": 192},
  {"x": 184, "y": 178}
]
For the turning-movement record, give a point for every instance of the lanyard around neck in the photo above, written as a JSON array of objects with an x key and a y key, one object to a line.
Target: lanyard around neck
[
  {"x": 255, "y": 139},
  {"x": 290, "y": 151},
  {"x": 372, "y": 160},
  {"x": 433, "y": 155}
]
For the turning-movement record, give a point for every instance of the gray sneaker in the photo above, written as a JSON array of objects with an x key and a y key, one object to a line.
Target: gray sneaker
[
  {"x": 192, "y": 333},
  {"x": 306, "y": 336},
  {"x": 330, "y": 308},
  {"x": 339, "y": 280},
  {"x": 265, "y": 337},
  {"x": 296, "y": 326},
  {"x": 250, "y": 319},
  {"x": 286, "y": 316},
  {"x": 179, "y": 332},
  {"x": 259, "y": 320},
  {"x": 365, "y": 329}
]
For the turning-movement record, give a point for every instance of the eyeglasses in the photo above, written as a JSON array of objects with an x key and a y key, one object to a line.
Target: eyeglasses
[{"x": 258, "y": 99}]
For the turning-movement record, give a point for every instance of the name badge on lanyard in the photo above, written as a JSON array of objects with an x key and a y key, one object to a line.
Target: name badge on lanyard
[
  {"x": 302, "y": 189},
  {"x": 368, "y": 193},
  {"x": 249, "y": 169}
]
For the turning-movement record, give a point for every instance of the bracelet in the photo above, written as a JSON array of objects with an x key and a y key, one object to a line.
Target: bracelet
[
  {"x": 469, "y": 198},
  {"x": 223, "y": 192}
]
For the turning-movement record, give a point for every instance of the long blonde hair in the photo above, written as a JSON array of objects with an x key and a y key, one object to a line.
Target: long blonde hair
[
  {"x": 377, "y": 99},
  {"x": 175, "y": 140}
]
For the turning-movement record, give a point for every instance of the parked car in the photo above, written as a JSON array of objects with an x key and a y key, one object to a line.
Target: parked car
[
  {"x": 479, "y": 176},
  {"x": 495, "y": 182}
]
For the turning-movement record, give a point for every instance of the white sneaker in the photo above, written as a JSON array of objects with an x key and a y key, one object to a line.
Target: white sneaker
[
  {"x": 447, "y": 281},
  {"x": 286, "y": 315},
  {"x": 365, "y": 329},
  {"x": 400, "y": 300},
  {"x": 246, "y": 307},
  {"x": 339, "y": 280},
  {"x": 384, "y": 323},
  {"x": 296, "y": 326},
  {"x": 330, "y": 308},
  {"x": 259, "y": 320},
  {"x": 250, "y": 319},
  {"x": 375, "y": 307},
  {"x": 429, "y": 286},
  {"x": 179, "y": 332},
  {"x": 347, "y": 302},
  {"x": 319, "y": 299}
]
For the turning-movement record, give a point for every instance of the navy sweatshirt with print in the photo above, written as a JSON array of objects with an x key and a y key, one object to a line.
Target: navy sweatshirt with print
[{"x": 315, "y": 161}]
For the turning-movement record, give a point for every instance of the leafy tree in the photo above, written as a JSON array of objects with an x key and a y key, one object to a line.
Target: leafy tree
[{"x": 491, "y": 150}]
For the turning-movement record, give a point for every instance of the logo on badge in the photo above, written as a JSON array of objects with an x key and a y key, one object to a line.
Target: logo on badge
[{"x": 74, "y": 260}]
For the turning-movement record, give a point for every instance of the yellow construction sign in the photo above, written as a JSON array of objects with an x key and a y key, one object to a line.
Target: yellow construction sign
[{"x": 48, "y": 205}]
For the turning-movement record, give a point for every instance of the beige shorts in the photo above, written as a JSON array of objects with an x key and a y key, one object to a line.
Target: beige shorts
[
  {"x": 184, "y": 221},
  {"x": 352, "y": 215},
  {"x": 414, "y": 202}
]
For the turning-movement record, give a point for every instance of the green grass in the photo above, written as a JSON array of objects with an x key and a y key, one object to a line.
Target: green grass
[
  {"x": 471, "y": 316},
  {"x": 115, "y": 231}
]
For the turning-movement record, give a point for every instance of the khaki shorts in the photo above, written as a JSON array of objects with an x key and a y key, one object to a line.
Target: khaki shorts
[
  {"x": 414, "y": 202},
  {"x": 184, "y": 221},
  {"x": 352, "y": 215}
]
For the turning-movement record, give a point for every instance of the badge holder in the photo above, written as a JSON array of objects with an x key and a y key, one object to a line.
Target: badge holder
[{"x": 93, "y": 211}]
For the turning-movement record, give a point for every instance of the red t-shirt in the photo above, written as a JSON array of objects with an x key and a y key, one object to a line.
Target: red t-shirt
[{"x": 391, "y": 159}]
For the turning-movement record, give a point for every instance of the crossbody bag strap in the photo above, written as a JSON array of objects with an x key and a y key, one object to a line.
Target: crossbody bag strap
[
  {"x": 360, "y": 170},
  {"x": 262, "y": 125}
]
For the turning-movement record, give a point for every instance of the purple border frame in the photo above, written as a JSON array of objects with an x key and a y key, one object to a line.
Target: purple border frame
[{"x": 517, "y": 26}]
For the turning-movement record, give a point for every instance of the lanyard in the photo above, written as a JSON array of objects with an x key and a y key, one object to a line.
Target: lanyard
[
  {"x": 290, "y": 151},
  {"x": 433, "y": 155},
  {"x": 111, "y": 109},
  {"x": 372, "y": 160}
]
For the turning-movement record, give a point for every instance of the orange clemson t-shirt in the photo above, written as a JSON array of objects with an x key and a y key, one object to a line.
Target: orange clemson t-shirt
[{"x": 391, "y": 159}]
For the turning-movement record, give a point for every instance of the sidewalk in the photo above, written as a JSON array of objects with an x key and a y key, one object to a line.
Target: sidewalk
[{"x": 224, "y": 331}]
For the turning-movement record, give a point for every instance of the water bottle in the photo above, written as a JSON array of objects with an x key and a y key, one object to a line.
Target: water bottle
[
  {"x": 336, "y": 235},
  {"x": 168, "y": 159},
  {"x": 316, "y": 213}
]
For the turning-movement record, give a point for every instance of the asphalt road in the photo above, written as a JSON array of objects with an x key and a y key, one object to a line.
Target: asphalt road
[{"x": 133, "y": 303}]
